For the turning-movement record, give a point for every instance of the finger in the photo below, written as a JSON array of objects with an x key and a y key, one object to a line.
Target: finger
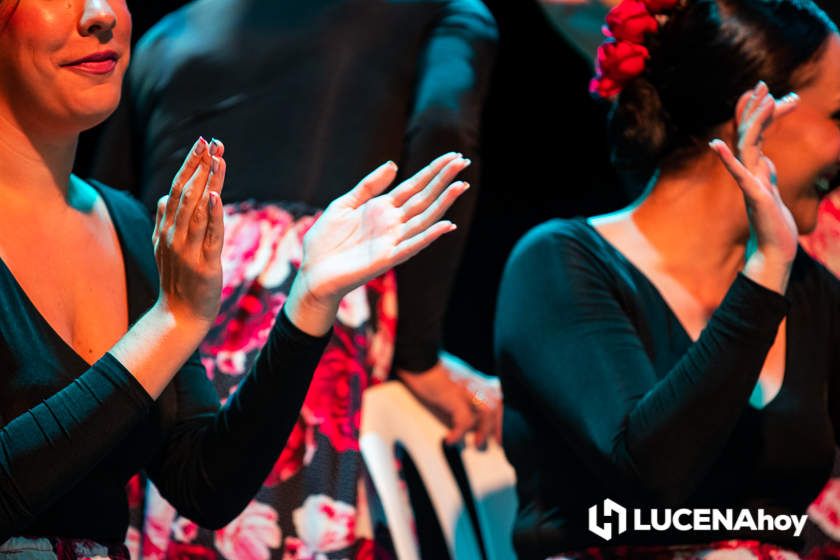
[
  {"x": 217, "y": 148},
  {"x": 410, "y": 247},
  {"x": 423, "y": 199},
  {"x": 741, "y": 174},
  {"x": 372, "y": 185},
  {"x": 161, "y": 205},
  {"x": 483, "y": 420},
  {"x": 218, "y": 169},
  {"x": 434, "y": 212},
  {"x": 191, "y": 194},
  {"x": 757, "y": 94},
  {"x": 409, "y": 187},
  {"x": 744, "y": 105},
  {"x": 183, "y": 175},
  {"x": 215, "y": 232},
  {"x": 462, "y": 419},
  {"x": 785, "y": 105},
  {"x": 756, "y": 123},
  {"x": 497, "y": 427},
  {"x": 198, "y": 224}
]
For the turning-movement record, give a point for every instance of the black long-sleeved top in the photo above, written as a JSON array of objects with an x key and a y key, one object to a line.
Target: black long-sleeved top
[
  {"x": 310, "y": 96},
  {"x": 606, "y": 395},
  {"x": 73, "y": 433}
]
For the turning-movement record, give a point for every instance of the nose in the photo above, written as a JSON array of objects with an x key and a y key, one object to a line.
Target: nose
[{"x": 98, "y": 19}]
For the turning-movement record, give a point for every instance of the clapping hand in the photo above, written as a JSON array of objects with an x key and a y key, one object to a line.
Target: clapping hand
[
  {"x": 364, "y": 233},
  {"x": 773, "y": 230},
  {"x": 188, "y": 236}
]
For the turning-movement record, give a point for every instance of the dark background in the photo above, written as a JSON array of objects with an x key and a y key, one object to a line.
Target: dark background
[{"x": 544, "y": 156}]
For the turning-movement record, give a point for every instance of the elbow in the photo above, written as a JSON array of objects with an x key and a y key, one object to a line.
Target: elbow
[
  {"x": 447, "y": 124},
  {"x": 654, "y": 483}
]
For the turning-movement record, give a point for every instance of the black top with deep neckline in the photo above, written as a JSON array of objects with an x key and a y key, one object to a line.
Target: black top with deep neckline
[
  {"x": 679, "y": 327},
  {"x": 72, "y": 434},
  {"x": 606, "y": 395}
]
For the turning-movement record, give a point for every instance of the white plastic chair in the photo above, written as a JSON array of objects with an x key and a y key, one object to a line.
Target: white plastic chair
[{"x": 391, "y": 415}]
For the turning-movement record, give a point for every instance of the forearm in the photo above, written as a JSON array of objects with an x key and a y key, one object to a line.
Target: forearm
[
  {"x": 45, "y": 451},
  {"x": 157, "y": 345},
  {"x": 214, "y": 464}
]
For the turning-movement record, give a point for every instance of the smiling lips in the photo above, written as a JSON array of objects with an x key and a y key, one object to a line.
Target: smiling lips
[{"x": 97, "y": 63}]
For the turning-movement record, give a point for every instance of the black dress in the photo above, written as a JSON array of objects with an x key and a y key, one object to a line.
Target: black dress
[
  {"x": 74, "y": 433},
  {"x": 606, "y": 395}
]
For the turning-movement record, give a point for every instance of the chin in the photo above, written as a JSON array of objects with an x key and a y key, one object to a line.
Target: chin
[
  {"x": 95, "y": 110},
  {"x": 806, "y": 218}
]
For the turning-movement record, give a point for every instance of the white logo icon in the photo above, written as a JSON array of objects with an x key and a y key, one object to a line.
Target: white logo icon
[{"x": 611, "y": 508}]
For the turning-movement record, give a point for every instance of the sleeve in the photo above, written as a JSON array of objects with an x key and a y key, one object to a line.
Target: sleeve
[
  {"x": 832, "y": 303},
  {"x": 46, "y": 450},
  {"x": 563, "y": 336},
  {"x": 453, "y": 75},
  {"x": 215, "y": 460}
]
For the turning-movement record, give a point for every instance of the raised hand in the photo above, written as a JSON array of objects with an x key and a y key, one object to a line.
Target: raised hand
[
  {"x": 188, "y": 236},
  {"x": 773, "y": 229},
  {"x": 364, "y": 233}
]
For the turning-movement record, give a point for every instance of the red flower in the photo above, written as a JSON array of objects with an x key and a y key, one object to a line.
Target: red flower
[
  {"x": 630, "y": 21},
  {"x": 660, "y": 6},
  {"x": 621, "y": 60},
  {"x": 604, "y": 87}
]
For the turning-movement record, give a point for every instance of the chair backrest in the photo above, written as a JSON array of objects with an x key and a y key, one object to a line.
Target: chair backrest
[{"x": 391, "y": 415}]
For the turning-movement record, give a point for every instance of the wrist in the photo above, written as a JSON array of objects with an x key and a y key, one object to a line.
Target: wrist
[
  {"x": 176, "y": 319},
  {"x": 770, "y": 270},
  {"x": 310, "y": 312}
]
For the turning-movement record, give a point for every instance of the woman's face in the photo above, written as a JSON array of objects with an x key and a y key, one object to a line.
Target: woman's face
[
  {"x": 63, "y": 62},
  {"x": 805, "y": 145}
]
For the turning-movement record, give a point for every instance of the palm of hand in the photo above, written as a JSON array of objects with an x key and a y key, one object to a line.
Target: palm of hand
[
  {"x": 364, "y": 233},
  {"x": 352, "y": 245},
  {"x": 772, "y": 225}
]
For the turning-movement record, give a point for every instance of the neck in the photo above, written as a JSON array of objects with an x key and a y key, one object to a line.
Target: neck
[
  {"x": 696, "y": 219},
  {"x": 35, "y": 166}
]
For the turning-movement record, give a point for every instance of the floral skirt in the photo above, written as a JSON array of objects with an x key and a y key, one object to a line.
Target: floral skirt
[
  {"x": 313, "y": 504},
  {"x": 719, "y": 550}
]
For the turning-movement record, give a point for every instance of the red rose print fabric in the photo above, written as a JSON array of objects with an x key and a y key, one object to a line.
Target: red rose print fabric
[{"x": 309, "y": 504}]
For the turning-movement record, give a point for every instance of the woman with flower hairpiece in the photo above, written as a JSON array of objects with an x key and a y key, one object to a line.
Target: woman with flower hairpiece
[{"x": 683, "y": 352}]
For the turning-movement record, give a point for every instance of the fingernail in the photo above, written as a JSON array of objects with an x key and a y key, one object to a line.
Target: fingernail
[
  {"x": 467, "y": 162},
  {"x": 465, "y": 184},
  {"x": 214, "y": 164},
  {"x": 200, "y": 145},
  {"x": 459, "y": 154},
  {"x": 213, "y": 196},
  {"x": 391, "y": 164}
]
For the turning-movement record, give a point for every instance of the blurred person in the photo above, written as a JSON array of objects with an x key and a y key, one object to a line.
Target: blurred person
[{"x": 319, "y": 90}]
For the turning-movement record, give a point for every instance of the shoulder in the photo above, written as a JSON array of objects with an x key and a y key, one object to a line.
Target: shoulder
[
  {"x": 125, "y": 210},
  {"x": 559, "y": 260},
  {"x": 814, "y": 279},
  {"x": 558, "y": 238},
  {"x": 472, "y": 15},
  {"x": 161, "y": 50}
]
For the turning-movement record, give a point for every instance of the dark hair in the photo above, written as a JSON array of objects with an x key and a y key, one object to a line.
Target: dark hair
[{"x": 705, "y": 56}]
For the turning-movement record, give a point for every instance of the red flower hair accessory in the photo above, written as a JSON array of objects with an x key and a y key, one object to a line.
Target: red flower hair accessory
[{"x": 623, "y": 55}]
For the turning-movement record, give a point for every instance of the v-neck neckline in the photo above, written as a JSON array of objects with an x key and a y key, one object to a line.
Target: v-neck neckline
[
  {"x": 37, "y": 312},
  {"x": 676, "y": 320}
]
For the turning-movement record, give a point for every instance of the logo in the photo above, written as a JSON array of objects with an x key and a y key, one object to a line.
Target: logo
[
  {"x": 614, "y": 515},
  {"x": 611, "y": 508}
]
